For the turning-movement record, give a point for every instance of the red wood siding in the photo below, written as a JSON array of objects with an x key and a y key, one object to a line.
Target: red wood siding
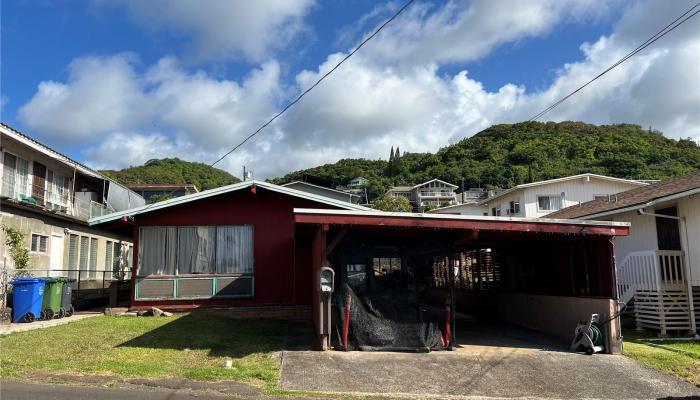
[{"x": 272, "y": 216}]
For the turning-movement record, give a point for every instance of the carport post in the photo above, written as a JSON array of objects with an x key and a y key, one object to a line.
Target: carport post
[{"x": 453, "y": 270}]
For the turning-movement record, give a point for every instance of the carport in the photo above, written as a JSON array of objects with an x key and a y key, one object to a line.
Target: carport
[{"x": 519, "y": 274}]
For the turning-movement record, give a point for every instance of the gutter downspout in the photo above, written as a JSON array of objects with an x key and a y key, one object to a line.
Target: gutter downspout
[{"x": 686, "y": 259}]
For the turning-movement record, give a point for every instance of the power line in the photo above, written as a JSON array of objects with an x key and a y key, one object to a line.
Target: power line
[
  {"x": 296, "y": 100},
  {"x": 305, "y": 92},
  {"x": 658, "y": 35}
]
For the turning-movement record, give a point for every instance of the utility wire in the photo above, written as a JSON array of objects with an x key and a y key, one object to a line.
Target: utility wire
[
  {"x": 658, "y": 35},
  {"x": 296, "y": 100},
  {"x": 305, "y": 92}
]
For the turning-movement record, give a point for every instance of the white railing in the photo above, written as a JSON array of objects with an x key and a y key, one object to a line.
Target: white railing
[
  {"x": 651, "y": 270},
  {"x": 64, "y": 202}
]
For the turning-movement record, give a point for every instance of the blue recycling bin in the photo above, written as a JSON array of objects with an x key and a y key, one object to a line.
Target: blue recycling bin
[{"x": 27, "y": 298}]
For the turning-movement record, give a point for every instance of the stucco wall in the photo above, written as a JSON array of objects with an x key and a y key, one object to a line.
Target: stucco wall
[
  {"x": 554, "y": 315},
  {"x": 35, "y": 223}
]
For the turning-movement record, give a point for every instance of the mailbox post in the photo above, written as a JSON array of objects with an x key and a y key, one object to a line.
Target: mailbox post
[{"x": 326, "y": 286}]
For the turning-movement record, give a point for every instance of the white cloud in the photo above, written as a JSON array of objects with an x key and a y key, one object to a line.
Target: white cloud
[
  {"x": 367, "y": 106},
  {"x": 221, "y": 29},
  {"x": 464, "y": 30},
  {"x": 129, "y": 148},
  {"x": 101, "y": 94}
]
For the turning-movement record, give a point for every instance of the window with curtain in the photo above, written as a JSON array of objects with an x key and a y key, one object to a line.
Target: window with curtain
[
  {"x": 196, "y": 250},
  {"x": 548, "y": 203},
  {"x": 157, "y": 250},
  {"x": 234, "y": 249},
  {"x": 23, "y": 177},
  {"x": 8, "y": 175}
]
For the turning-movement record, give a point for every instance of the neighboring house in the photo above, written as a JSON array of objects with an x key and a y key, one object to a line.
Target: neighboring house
[
  {"x": 50, "y": 197},
  {"x": 233, "y": 245},
  {"x": 357, "y": 182},
  {"x": 324, "y": 191},
  {"x": 433, "y": 193},
  {"x": 658, "y": 264},
  {"x": 538, "y": 199},
  {"x": 164, "y": 191}
]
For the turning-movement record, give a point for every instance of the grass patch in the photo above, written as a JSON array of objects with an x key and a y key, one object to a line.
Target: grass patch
[
  {"x": 183, "y": 346},
  {"x": 685, "y": 365}
]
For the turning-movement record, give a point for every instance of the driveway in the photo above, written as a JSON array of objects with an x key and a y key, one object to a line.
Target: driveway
[{"x": 491, "y": 362}]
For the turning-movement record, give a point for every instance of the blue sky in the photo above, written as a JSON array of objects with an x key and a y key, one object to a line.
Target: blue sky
[{"x": 116, "y": 82}]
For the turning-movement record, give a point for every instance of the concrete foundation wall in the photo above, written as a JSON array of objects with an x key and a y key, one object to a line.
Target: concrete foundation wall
[{"x": 553, "y": 315}]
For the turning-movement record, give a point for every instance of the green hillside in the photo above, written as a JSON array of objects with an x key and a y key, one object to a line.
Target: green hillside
[
  {"x": 510, "y": 154},
  {"x": 173, "y": 170}
]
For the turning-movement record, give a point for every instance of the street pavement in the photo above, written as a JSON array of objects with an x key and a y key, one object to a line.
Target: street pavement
[{"x": 16, "y": 390}]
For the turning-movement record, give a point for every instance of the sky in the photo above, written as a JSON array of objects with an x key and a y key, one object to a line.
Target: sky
[{"x": 115, "y": 83}]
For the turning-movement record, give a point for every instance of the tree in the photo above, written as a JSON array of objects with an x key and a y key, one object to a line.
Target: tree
[
  {"x": 393, "y": 204},
  {"x": 391, "y": 156},
  {"x": 508, "y": 154},
  {"x": 15, "y": 241}
]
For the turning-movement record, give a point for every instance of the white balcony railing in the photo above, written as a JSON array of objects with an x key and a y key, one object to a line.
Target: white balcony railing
[
  {"x": 652, "y": 270},
  {"x": 59, "y": 201},
  {"x": 435, "y": 194}
]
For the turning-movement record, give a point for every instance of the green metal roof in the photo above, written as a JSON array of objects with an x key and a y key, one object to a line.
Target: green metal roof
[{"x": 222, "y": 190}]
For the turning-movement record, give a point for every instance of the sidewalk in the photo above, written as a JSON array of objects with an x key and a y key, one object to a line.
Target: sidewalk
[{"x": 22, "y": 327}]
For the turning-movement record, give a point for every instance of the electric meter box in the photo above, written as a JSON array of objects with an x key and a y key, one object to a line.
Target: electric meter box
[{"x": 326, "y": 281}]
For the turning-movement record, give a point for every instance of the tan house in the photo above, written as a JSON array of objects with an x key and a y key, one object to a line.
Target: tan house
[
  {"x": 433, "y": 193},
  {"x": 50, "y": 197}
]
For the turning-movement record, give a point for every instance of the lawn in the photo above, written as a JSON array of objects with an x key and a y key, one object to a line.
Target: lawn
[
  {"x": 148, "y": 347},
  {"x": 684, "y": 363}
]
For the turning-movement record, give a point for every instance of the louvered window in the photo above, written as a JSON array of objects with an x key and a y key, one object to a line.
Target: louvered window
[
  {"x": 84, "y": 255},
  {"x": 73, "y": 256},
  {"x": 93, "y": 259}
]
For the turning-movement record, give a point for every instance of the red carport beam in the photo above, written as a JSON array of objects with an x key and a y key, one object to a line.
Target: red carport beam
[{"x": 476, "y": 224}]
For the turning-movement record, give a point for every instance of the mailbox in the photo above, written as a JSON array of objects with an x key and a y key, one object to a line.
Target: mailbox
[{"x": 326, "y": 281}]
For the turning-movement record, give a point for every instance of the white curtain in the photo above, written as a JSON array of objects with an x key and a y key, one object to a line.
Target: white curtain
[
  {"x": 8, "y": 179},
  {"x": 234, "y": 249},
  {"x": 195, "y": 253},
  {"x": 157, "y": 248}
]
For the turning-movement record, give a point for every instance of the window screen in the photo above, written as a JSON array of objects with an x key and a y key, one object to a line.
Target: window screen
[
  {"x": 39, "y": 243},
  {"x": 157, "y": 250},
  {"x": 234, "y": 249},
  {"x": 196, "y": 248}
]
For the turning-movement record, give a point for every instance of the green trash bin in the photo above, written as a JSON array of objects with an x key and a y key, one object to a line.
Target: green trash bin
[{"x": 53, "y": 291}]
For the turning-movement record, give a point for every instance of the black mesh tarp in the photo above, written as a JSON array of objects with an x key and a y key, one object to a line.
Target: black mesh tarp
[{"x": 388, "y": 320}]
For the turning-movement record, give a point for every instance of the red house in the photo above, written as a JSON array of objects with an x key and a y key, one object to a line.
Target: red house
[
  {"x": 261, "y": 248},
  {"x": 230, "y": 246}
]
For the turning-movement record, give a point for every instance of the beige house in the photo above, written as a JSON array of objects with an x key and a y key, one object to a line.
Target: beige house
[
  {"x": 50, "y": 197},
  {"x": 538, "y": 199},
  {"x": 658, "y": 264},
  {"x": 433, "y": 193}
]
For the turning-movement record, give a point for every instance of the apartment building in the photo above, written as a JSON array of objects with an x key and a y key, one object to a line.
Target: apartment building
[{"x": 50, "y": 197}]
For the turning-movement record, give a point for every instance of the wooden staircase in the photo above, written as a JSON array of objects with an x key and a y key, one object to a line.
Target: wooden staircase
[{"x": 655, "y": 282}]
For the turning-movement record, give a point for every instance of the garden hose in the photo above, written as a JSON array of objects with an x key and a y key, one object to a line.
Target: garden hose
[{"x": 596, "y": 336}]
